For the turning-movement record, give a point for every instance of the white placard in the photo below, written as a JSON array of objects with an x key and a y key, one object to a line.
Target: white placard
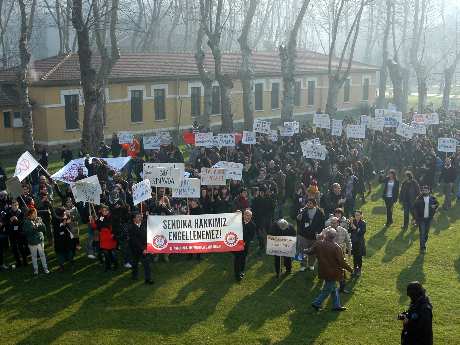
[
  {"x": 249, "y": 138},
  {"x": 286, "y": 131},
  {"x": 125, "y": 137},
  {"x": 356, "y": 132},
  {"x": 166, "y": 138},
  {"x": 25, "y": 165},
  {"x": 212, "y": 177},
  {"x": 141, "y": 191},
  {"x": 189, "y": 188},
  {"x": 281, "y": 245},
  {"x": 337, "y": 128},
  {"x": 149, "y": 166},
  {"x": 233, "y": 171},
  {"x": 392, "y": 118},
  {"x": 273, "y": 135},
  {"x": 293, "y": 124},
  {"x": 419, "y": 118},
  {"x": 379, "y": 112},
  {"x": 376, "y": 124},
  {"x": 364, "y": 120},
  {"x": 204, "y": 139},
  {"x": 405, "y": 131},
  {"x": 432, "y": 119},
  {"x": 226, "y": 139},
  {"x": 164, "y": 177},
  {"x": 418, "y": 128},
  {"x": 152, "y": 143},
  {"x": 313, "y": 151},
  {"x": 260, "y": 126},
  {"x": 87, "y": 190},
  {"x": 447, "y": 145},
  {"x": 322, "y": 121}
]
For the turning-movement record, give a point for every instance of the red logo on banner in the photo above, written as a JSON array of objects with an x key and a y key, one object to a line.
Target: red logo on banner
[
  {"x": 160, "y": 242},
  {"x": 24, "y": 165},
  {"x": 231, "y": 239}
]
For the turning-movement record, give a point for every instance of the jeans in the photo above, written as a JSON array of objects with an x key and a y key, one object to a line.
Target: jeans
[
  {"x": 35, "y": 251},
  {"x": 389, "y": 206},
  {"x": 408, "y": 209},
  {"x": 145, "y": 259},
  {"x": 3, "y": 247},
  {"x": 110, "y": 258},
  {"x": 329, "y": 288},
  {"x": 19, "y": 249},
  {"x": 287, "y": 264},
  {"x": 424, "y": 228},
  {"x": 349, "y": 206},
  {"x": 89, "y": 241}
]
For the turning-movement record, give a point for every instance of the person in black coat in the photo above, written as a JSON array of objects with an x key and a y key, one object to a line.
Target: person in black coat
[
  {"x": 137, "y": 234},
  {"x": 358, "y": 243},
  {"x": 282, "y": 228},
  {"x": 332, "y": 200},
  {"x": 447, "y": 178},
  {"x": 14, "y": 225},
  {"x": 418, "y": 319},
  {"x": 62, "y": 237},
  {"x": 425, "y": 208},
  {"x": 390, "y": 194},
  {"x": 410, "y": 189},
  {"x": 239, "y": 258}
]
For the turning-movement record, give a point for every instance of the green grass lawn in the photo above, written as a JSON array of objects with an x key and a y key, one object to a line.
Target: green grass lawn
[{"x": 199, "y": 303}]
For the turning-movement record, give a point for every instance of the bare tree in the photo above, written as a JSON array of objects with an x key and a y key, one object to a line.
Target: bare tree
[
  {"x": 288, "y": 55},
  {"x": 6, "y": 9},
  {"x": 381, "y": 101},
  {"x": 448, "y": 76},
  {"x": 205, "y": 76},
  {"x": 27, "y": 22},
  {"x": 247, "y": 66},
  {"x": 61, "y": 15},
  {"x": 94, "y": 82}
]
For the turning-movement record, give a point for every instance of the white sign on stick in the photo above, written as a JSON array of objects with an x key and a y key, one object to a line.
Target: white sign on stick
[
  {"x": 25, "y": 165},
  {"x": 447, "y": 145},
  {"x": 87, "y": 190},
  {"x": 226, "y": 139},
  {"x": 189, "y": 188},
  {"x": 313, "y": 151},
  {"x": 293, "y": 124},
  {"x": 336, "y": 128},
  {"x": 356, "y": 132},
  {"x": 212, "y": 177},
  {"x": 204, "y": 139},
  {"x": 405, "y": 131},
  {"x": 152, "y": 142},
  {"x": 286, "y": 131},
  {"x": 149, "y": 166},
  {"x": 376, "y": 124},
  {"x": 125, "y": 137},
  {"x": 273, "y": 135},
  {"x": 233, "y": 171},
  {"x": 260, "y": 126},
  {"x": 141, "y": 191},
  {"x": 364, "y": 120},
  {"x": 432, "y": 119},
  {"x": 418, "y": 128},
  {"x": 281, "y": 245},
  {"x": 249, "y": 138},
  {"x": 322, "y": 121},
  {"x": 164, "y": 177}
]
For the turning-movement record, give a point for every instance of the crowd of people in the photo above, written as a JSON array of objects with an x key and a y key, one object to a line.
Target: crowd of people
[{"x": 281, "y": 193}]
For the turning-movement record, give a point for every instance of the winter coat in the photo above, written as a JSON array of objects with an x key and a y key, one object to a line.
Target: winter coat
[
  {"x": 419, "y": 329},
  {"x": 34, "y": 231},
  {"x": 395, "y": 193},
  {"x": 106, "y": 237},
  {"x": 419, "y": 207},
  {"x": 330, "y": 260},
  {"x": 410, "y": 189},
  {"x": 62, "y": 236},
  {"x": 309, "y": 228},
  {"x": 357, "y": 238},
  {"x": 137, "y": 238}
]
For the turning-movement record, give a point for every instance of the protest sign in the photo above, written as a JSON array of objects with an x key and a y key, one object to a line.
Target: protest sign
[
  {"x": 168, "y": 177},
  {"x": 405, "y": 131},
  {"x": 322, "y": 121},
  {"x": 432, "y": 119},
  {"x": 25, "y": 165},
  {"x": 376, "y": 124},
  {"x": 418, "y": 128},
  {"x": 152, "y": 142},
  {"x": 312, "y": 151},
  {"x": 69, "y": 172},
  {"x": 364, "y": 120},
  {"x": 125, "y": 137},
  {"x": 336, "y": 128},
  {"x": 392, "y": 118},
  {"x": 419, "y": 118},
  {"x": 189, "y": 188},
  {"x": 260, "y": 126},
  {"x": 249, "y": 138},
  {"x": 87, "y": 190},
  {"x": 149, "y": 166},
  {"x": 286, "y": 131},
  {"x": 447, "y": 145},
  {"x": 226, "y": 139},
  {"x": 233, "y": 171},
  {"x": 379, "y": 112},
  {"x": 166, "y": 138},
  {"x": 356, "y": 132},
  {"x": 141, "y": 191},
  {"x": 14, "y": 187},
  {"x": 295, "y": 125},
  {"x": 281, "y": 245},
  {"x": 273, "y": 135},
  {"x": 204, "y": 233},
  {"x": 204, "y": 139},
  {"x": 212, "y": 177}
]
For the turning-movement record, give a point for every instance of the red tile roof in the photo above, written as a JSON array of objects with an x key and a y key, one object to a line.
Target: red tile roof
[{"x": 132, "y": 66}]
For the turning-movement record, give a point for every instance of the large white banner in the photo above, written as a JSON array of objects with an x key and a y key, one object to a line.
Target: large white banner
[
  {"x": 205, "y": 233},
  {"x": 212, "y": 177},
  {"x": 189, "y": 188},
  {"x": 260, "y": 126},
  {"x": 281, "y": 245},
  {"x": 167, "y": 177},
  {"x": 356, "y": 132},
  {"x": 69, "y": 172},
  {"x": 149, "y": 166},
  {"x": 141, "y": 191},
  {"x": 87, "y": 190},
  {"x": 447, "y": 145},
  {"x": 152, "y": 142},
  {"x": 204, "y": 139},
  {"x": 249, "y": 138},
  {"x": 233, "y": 171},
  {"x": 322, "y": 121},
  {"x": 337, "y": 128},
  {"x": 313, "y": 151},
  {"x": 405, "y": 131},
  {"x": 25, "y": 165}
]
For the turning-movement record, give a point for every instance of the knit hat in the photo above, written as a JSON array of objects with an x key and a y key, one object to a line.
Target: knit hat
[{"x": 282, "y": 223}]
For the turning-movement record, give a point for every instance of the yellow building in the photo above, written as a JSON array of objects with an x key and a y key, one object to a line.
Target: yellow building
[{"x": 162, "y": 91}]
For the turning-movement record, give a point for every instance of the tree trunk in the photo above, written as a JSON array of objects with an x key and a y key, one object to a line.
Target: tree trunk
[
  {"x": 247, "y": 68},
  {"x": 22, "y": 76},
  {"x": 396, "y": 76},
  {"x": 332, "y": 96},
  {"x": 448, "y": 76},
  {"x": 206, "y": 80},
  {"x": 422, "y": 89},
  {"x": 381, "y": 102}
]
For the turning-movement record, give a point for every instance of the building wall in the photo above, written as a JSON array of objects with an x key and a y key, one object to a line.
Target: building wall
[{"x": 49, "y": 111}]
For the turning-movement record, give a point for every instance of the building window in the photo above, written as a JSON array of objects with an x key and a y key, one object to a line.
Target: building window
[
  {"x": 137, "y": 99},
  {"x": 216, "y": 102},
  {"x": 346, "y": 90},
  {"x": 297, "y": 88},
  {"x": 275, "y": 96},
  {"x": 195, "y": 94},
  {"x": 311, "y": 92},
  {"x": 160, "y": 103},
  {"x": 71, "y": 111},
  {"x": 17, "y": 119},
  {"x": 259, "y": 96},
  {"x": 366, "y": 89},
  {"x": 6, "y": 119}
]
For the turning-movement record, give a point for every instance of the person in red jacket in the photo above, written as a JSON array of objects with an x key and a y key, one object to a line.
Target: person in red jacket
[{"x": 107, "y": 241}]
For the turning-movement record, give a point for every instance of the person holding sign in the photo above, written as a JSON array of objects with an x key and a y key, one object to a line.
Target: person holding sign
[
  {"x": 107, "y": 241},
  {"x": 239, "y": 258},
  {"x": 137, "y": 234},
  {"x": 282, "y": 228}
]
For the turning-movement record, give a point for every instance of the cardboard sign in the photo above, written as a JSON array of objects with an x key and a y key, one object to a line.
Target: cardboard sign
[
  {"x": 282, "y": 245},
  {"x": 212, "y": 177},
  {"x": 273, "y": 135},
  {"x": 337, "y": 128},
  {"x": 166, "y": 138},
  {"x": 376, "y": 124},
  {"x": 141, "y": 191},
  {"x": 149, "y": 166},
  {"x": 14, "y": 187},
  {"x": 152, "y": 143},
  {"x": 167, "y": 177},
  {"x": 392, "y": 118},
  {"x": 249, "y": 138},
  {"x": 87, "y": 190},
  {"x": 226, "y": 139},
  {"x": 356, "y": 132},
  {"x": 419, "y": 118},
  {"x": 312, "y": 151},
  {"x": 364, "y": 120},
  {"x": 295, "y": 125},
  {"x": 233, "y": 171},
  {"x": 25, "y": 165},
  {"x": 418, "y": 128},
  {"x": 204, "y": 139},
  {"x": 125, "y": 137},
  {"x": 322, "y": 121},
  {"x": 189, "y": 188},
  {"x": 447, "y": 145},
  {"x": 432, "y": 119},
  {"x": 405, "y": 131},
  {"x": 286, "y": 131},
  {"x": 260, "y": 126}
]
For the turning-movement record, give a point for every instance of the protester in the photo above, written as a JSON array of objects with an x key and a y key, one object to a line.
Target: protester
[
  {"x": 34, "y": 230},
  {"x": 358, "y": 243},
  {"x": 239, "y": 258},
  {"x": 107, "y": 241},
  {"x": 137, "y": 234},
  {"x": 425, "y": 208},
  {"x": 15, "y": 228},
  {"x": 63, "y": 245},
  {"x": 447, "y": 179},
  {"x": 390, "y": 194},
  {"x": 410, "y": 189},
  {"x": 282, "y": 228}
]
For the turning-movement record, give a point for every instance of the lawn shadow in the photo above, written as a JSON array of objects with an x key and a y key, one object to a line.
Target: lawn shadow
[
  {"x": 377, "y": 241},
  {"x": 408, "y": 274},
  {"x": 379, "y": 210},
  {"x": 400, "y": 244},
  {"x": 444, "y": 219}
]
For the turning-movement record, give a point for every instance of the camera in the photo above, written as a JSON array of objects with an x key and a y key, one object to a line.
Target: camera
[{"x": 402, "y": 316}]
